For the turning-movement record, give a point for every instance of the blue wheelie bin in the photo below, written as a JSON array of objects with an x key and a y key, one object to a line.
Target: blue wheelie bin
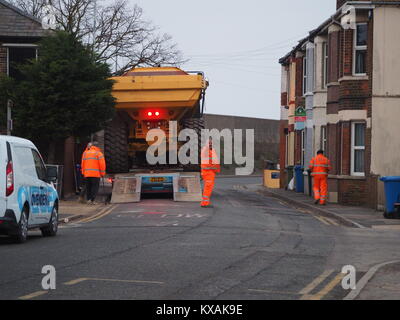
[
  {"x": 299, "y": 179},
  {"x": 392, "y": 195}
]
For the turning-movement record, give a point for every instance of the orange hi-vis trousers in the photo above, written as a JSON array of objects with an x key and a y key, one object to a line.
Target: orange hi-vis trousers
[
  {"x": 209, "y": 181},
  {"x": 321, "y": 187}
]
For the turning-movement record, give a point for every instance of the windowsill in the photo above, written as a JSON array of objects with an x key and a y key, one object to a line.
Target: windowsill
[
  {"x": 356, "y": 77},
  {"x": 332, "y": 84},
  {"x": 343, "y": 177}
]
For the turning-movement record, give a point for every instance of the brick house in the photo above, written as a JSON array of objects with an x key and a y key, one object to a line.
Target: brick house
[
  {"x": 347, "y": 80},
  {"x": 19, "y": 33}
]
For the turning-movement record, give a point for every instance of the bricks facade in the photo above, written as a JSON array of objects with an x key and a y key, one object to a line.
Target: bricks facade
[{"x": 349, "y": 99}]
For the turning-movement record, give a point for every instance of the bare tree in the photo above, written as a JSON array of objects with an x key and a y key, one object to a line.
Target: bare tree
[
  {"x": 117, "y": 32},
  {"x": 33, "y": 7}
]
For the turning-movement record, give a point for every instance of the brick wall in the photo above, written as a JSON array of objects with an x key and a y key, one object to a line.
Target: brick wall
[
  {"x": 353, "y": 192},
  {"x": 284, "y": 99},
  {"x": 299, "y": 78},
  {"x": 353, "y": 95}
]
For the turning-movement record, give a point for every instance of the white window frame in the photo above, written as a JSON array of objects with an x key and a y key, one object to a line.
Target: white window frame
[
  {"x": 354, "y": 148},
  {"x": 305, "y": 75},
  {"x": 325, "y": 55},
  {"x": 358, "y": 48},
  {"x": 18, "y": 45},
  {"x": 324, "y": 138},
  {"x": 303, "y": 147}
]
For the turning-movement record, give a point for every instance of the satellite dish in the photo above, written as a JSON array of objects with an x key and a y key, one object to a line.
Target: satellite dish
[
  {"x": 49, "y": 17},
  {"x": 348, "y": 20}
]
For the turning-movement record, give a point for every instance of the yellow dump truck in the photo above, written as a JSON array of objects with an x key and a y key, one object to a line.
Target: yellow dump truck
[{"x": 149, "y": 98}]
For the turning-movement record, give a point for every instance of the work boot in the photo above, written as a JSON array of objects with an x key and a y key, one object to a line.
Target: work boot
[
  {"x": 89, "y": 202},
  {"x": 210, "y": 206},
  {"x": 316, "y": 201}
]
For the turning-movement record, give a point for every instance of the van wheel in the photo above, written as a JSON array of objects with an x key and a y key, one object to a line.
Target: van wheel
[
  {"x": 52, "y": 227},
  {"x": 22, "y": 231}
]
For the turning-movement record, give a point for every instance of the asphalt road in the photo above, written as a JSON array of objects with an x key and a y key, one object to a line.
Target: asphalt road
[{"x": 248, "y": 247}]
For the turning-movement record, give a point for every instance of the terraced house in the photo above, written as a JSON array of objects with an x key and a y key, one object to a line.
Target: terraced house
[
  {"x": 345, "y": 74},
  {"x": 19, "y": 34}
]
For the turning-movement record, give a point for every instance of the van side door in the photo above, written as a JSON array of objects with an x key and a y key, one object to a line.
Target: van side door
[
  {"x": 43, "y": 201},
  {"x": 3, "y": 167},
  {"x": 27, "y": 182}
]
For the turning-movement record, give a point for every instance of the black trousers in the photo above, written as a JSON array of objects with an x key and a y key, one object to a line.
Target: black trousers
[{"x": 92, "y": 188}]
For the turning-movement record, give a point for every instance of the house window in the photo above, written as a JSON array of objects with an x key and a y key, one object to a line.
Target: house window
[
  {"x": 16, "y": 55},
  {"x": 324, "y": 139},
  {"x": 358, "y": 148},
  {"x": 304, "y": 75},
  {"x": 360, "y": 49},
  {"x": 324, "y": 64}
]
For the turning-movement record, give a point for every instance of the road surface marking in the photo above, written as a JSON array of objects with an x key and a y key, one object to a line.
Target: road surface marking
[
  {"x": 33, "y": 295},
  {"x": 76, "y": 281},
  {"x": 88, "y": 218},
  {"x": 100, "y": 215},
  {"x": 80, "y": 280},
  {"x": 331, "y": 221},
  {"x": 315, "y": 283},
  {"x": 328, "y": 288},
  {"x": 128, "y": 281},
  {"x": 274, "y": 292},
  {"x": 322, "y": 220}
]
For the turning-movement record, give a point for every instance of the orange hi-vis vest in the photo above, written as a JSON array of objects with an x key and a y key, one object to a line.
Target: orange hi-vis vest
[
  {"x": 320, "y": 165},
  {"x": 209, "y": 160},
  {"x": 93, "y": 163}
]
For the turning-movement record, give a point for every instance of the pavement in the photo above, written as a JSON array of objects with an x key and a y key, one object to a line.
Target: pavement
[
  {"x": 72, "y": 210},
  {"x": 250, "y": 246},
  {"x": 358, "y": 217},
  {"x": 384, "y": 285}
]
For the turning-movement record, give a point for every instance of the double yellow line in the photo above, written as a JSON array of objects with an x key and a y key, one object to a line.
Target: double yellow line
[
  {"x": 327, "y": 221},
  {"x": 306, "y": 292},
  {"x": 104, "y": 212},
  {"x": 324, "y": 220}
]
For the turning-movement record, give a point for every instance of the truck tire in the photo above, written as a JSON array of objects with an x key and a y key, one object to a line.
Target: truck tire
[
  {"x": 116, "y": 146},
  {"x": 197, "y": 124}
]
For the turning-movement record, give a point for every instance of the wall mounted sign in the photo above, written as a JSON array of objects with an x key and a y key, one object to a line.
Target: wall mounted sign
[{"x": 300, "y": 118}]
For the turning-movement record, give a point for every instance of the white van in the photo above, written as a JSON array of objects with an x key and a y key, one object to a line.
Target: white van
[{"x": 28, "y": 198}]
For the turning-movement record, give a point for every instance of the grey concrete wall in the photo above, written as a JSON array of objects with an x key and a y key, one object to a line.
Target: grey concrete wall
[{"x": 266, "y": 136}]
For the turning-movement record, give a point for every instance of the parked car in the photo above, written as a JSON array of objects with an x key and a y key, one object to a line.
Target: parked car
[{"x": 28, "y": 198}]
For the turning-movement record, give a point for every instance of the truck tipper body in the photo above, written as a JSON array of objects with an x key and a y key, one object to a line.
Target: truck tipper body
[{"x": 146, "y": 99}]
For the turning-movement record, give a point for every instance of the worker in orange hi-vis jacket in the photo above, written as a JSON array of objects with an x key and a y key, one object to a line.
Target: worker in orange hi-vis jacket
[
  {"x": 210, "y": 166},
  {"x": 93, "y": 168},
  {"x": 320, "y": 167}
]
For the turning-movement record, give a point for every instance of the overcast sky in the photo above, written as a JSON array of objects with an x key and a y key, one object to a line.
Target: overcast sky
[{"x": 238, "y": 44}]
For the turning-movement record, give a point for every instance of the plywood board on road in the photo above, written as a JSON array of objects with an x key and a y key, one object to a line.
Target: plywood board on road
[
  {"x": 187, "y": 187},
  {"x": 126, "y": 189}
]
